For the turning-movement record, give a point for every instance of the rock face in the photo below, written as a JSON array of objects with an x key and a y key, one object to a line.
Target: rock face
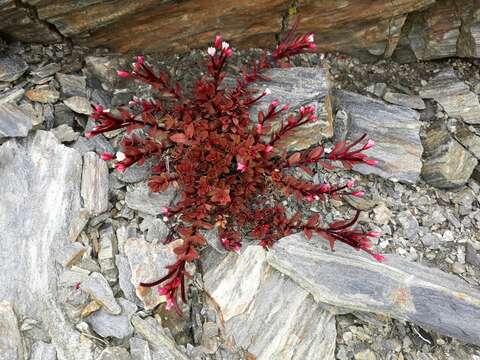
[
  {"x": 141, "y": 199},
  {"x": 32, "y": 230},
  {"x": 425, "y": 28},
  {"x": 395, "y": 130},
  {"x": 243, "y": 288},
  {"x": 11, "y": 67},
  {"x": 448, "y": 164},
  {"x": 13, "y": 121},
  {"x": 454, "y": 96},
  {"x": 397, "y": 288},
  {"x": 10, "y": 341},
  {"x": 297, "y": 87},
  {"x": 94, "y": 183}
]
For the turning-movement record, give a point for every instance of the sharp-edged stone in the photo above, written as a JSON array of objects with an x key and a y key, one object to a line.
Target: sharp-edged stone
[
  {"x": 70, "y": 254},
  {"x": 99, "y": 289},
  {"x": 11, "y": 347},
  {"x": 78, "y": 224},
  {"x": 43, "y": 351},
  {"x": 447, "y": 163},
  {"x": 410, "y": 101},
  {"x": 125, "y": 278},
  {"x": 11, "y": 95},
  {"x": 14, "y": 122},
  {"x": 43, "y": 94},
  {"x": 46, "y": 70},
  {"x": 72, "y": 85},
  {"x": 243, "y": 288},
  {"x": 11, "y": 67},
  {"x": 298, "y": 86},
  {"x": 114, "y": 353},
  {"x": 139, "y": 349},
  {"x": 395, "y": 130},
  {"x": 162, "y": 343},
  {"x": 118, "y": 326},
  {"x": 106, "y": 253},
  {"x": 148, "y": 263},
  {"x": 64, "y": 133},
  {"x": 396, "y": 287},
  {"x": 454, "y": 96},
  {"x": 141, "y": 199},
  {"x": 78, "y": 104},
  {"x": 32, "y": 230},
  {"x": 94, "y": 183}
]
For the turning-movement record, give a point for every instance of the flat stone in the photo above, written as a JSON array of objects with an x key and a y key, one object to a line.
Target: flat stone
[
  {"x": 97, "y": 287},
  {"x": 141, "y": 199},
  {"x": 245, "y": 306},
  {"x": 298, "y": 86},
  {"x": 43, "y": 95},
  {"x": 148, "y": 263},
  {"x": 162, "y": 344},
  {"x": 63, "y": 115},
  {"x": 114, "y": 353},
  {"x": 46, "y": 70},
  {"x": 409, "y": 224},
  {"x": 79, "y": 104},
  {"x": 469, "y": 139},
  {"x": 78, "y": 224},
  {"x": 158, "y": 231},
  {"x": 65, "y": 133},
  {"x": 72, "y": 85},
  {"x": 134, "y": 174},
  {"x": 396, "y": 287},
  {"x": 11, "y": 347},
  {"x": 454, "y": 96},
  {"x": 447, "y": 164},
  {"x": 105, "y": 69},
  {"x": 14, "y": 122},
  {"x": 43, "y": 351},
  {"x": 139, "y": 349},
  {"x": 117, "y": 326},
  {"x": 124, "y": 278},
  {"x": 410, "y": 101},
  {"x": 12, "y": 95},
  {"x": 11, "y": 67},
  {"x": 106, "y": 253},
  {"x": 94, "y": 184},
  {"x": 70, "y": 254},
  {"x": 32, "y": 231},
  {"x": 395, "y": 130}
]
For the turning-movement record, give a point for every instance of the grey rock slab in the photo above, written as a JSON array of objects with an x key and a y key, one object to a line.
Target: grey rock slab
[
  {"x": 118, "y": 326},
  {"x": 46, "y": 70},
  {"x": 71, "y": 253},
  {"x": 158, "y": 231},
  {"x": 454, "y": 96},
  {"x": 139, "y": 349},
  {"x": 79, "y": 104},
  {"x": 43, "y": 94},
  {"x": 396, "y": 287},
  {"x": 72, "y": 85},
  {"x": 105, "y": 69},
  {"x": 141, "y": 199},
  {"x": 106, "y": 253},
  {"x": 134, "y": 173},
  {"x": 11, "y": 67},
  {"x": 410, "y": 101},
  {"x": 11, "y": 95},
  {"x": 409, "y": 224},
  {"x": 99, "y": 289},
  {"x": 40, "y": 192},
  {"x": 114, "y": 353},
  {"x": 78, "y": 224},
  {"x": 243, "y": 288},
  {"x": 447, "y": 164},
  {"x": 298, "y": 86},
  {"x": 63, "y": 115},
  {"x": 14, "y": 122},
  {"x": 124, "y": 278},
  {"x": 469, "y": 139},
  {"x": 43, "y": 351},
  {"x": 148, "y": 263},
  {"x": 162, "y": 343},
  {"x": 395, "y": 130},
  {"x": 94, "y": 183},
  {"x": 64, "y": 133},
  {"x": 11, "y": 347}
]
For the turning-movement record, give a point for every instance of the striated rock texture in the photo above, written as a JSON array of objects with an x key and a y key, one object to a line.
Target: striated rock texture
[
  {"x": 425, "y": 28},
  {"x": 40, "y": 192},
  {"x": 397, "y": 288},
  {"x": 243, "y": 288},
  {"x": 94, "y": 183},
  {"x": 11, "y": 346},
  {"x": 299, "y": 86},
  {"x": 448, "y": 164},
  {"x": 13, "y": 121},
  {"x": 395, "y": 130}
]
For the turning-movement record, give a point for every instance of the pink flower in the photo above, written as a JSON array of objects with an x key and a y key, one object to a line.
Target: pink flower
[
  {"x": 312, "y": 117},
  {"x": 369, "y": 144},
  {"x": 374, "y": 234},
  {"x": 310, "y": 38},
  {"x": 267, "y": 91},
  {"x": 241, "y": 167},
  {"x": 285, "y": 107},
  {"x": 275, "y": 103},
  {"x": 379, "y": 257},
  {"x": 358, "y": 193},
  {"x": 170, "y": 304},
  {"x": 140, "y": 59},
  {"x": 350, "y": 184},
  {"x": 218, "y": 41},
  {"x": 164, "y": 211},
  {"x": 120, "y": 167},
  {"x": 371, "y": 162},
  {"x": 98, "y": 108},
  {"x": 310, "y": 198},
  {"x": 228, "y": 52},
  {"x": 268, "y": 148},
  {"x": 225, "y": 45},
  {"x": 120, "y": 156},
  {"x": 123, "y": 74},
  {"x": 259, "y": 128},
  {"x": 107, "y": 156},
  {"x": 89, "y": 135},
  {"x": 211, "y": 51},
  {"x": 324, "y": 188}
]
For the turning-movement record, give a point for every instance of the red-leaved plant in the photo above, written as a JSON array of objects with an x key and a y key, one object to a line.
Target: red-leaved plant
[{"x": 207, "y": 146}]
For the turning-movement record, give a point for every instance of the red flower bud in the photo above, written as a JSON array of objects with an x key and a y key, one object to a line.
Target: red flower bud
[
  {"x": 123, "y": 74},
  {"x": 107, "y": 156}
]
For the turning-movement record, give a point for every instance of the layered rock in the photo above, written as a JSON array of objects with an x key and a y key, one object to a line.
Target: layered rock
[
  {"x": 395, "y": 130},
  {"x": 242, "y": 287},
  {"x": 397, "y": 288}
]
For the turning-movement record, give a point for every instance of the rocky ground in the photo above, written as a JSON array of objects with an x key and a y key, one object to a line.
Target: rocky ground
[{"x": 82, "y": 266}]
